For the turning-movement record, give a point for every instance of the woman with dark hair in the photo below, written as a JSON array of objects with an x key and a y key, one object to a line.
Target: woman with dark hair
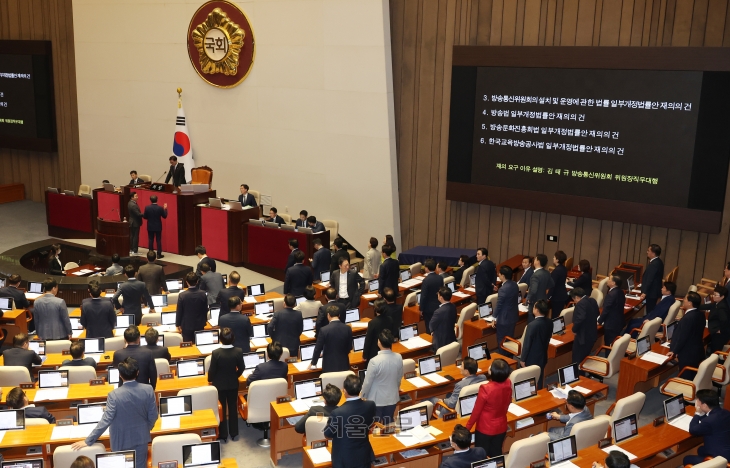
[
  {"x": 559, "y": 295},
  {"x": 226, "y": 366},
  {"x": 55, "y": 267},
  {"x": 584, "y": 281},
  {"x": 463, "y": 264},
  {"x": 82, "y": 462},
  {"x": 389, "y": 241},
  {"x": 490, "y": 410}
]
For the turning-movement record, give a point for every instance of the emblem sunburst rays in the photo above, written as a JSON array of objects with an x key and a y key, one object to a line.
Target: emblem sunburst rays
[{"x": 219, "y": 42}]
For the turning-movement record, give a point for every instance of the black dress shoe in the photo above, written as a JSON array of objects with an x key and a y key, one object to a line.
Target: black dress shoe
[
  {"x": 222, "y": 439},
  {"x": 234, "y": 438},
  {"x": 160, "y": 256}
]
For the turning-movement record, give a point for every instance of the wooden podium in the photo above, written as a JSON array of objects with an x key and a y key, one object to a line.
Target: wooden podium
[{"x": 112, "y": 237}]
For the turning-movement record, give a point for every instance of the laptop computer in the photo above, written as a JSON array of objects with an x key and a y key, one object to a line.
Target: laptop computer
[
  {"x": 225, "y": 279},
  {"x": 271, "y": 225},
  {"x": 300, "y": 299},
  {"x": 215, "y": 202},
  {"x": 675, "y": 412},
  {"x": 112, "y": 376},
  {"x": 93, "y": 345},
  {"x": 175, "y": 285},
  {"x": 494, "y": 462},
  {"x": 35, "y": 288},
  {"x": 167, "y": 321},
  {"x": 308, "y": 389},
  {"x": 373, "y": 285},
  {"x": 643, "y": 346},
  {"x": 39, "y": 346},
  {"x": 207, "y": 454},
  {"x": 251, "y": 360},
  {"x": 287, "y": 227},
  {"x": 306, "y": 352},
  {"x": 2, "y": 282},
  {"x": 190, "y": 367},
  {"x": 176, "y": 405},
  {"x": 558, "y": 326},
  {"x": 479, "y": 351},
  {"x": 629, "y": 283},
  {"x": 52, "y": 379},
  {"x": 124, "y": 321},
  {"x": 6, "y": 303},
  {"x": 70, "y": 193},
  {"x": 124, "y": 459},
  {"x": 207, "y": 341},
  {"x": 75, "y": 323},
  {"x": 161, "y": 340},
  {"x": 561, "y": 451},
  {"x": 485, "y": 311},
  {"x": 525, "y": 389},
  {"x": 412, "y": 418},
  {"x": 451, "y": 286},
  {"x": 159, "y": 301},
  {"x": 625, "y": 428},
  {"x": 358, "y": 343},
  {"x": 466, "y": 405},
  {"x": 324, "y": 276},
  {"x": 214, "y": 315},
  {"x": 308, "y": 323},
  {"x": 405, "y": 275},
  {"x": 12, "y": 420},
  {"x": 261, "y": 330},
  {"x": 352, "y": 315},
  {"x": 305, "y": 230},
  {"x": 418, "y": 297},
  {"x": 235, "y": 206},
  {"x": 29, "y": 463},
  {"x": 429, "y": 364},
  {"x": 472, "y": 280},
  {"x": 90, "y": 413},
  {"x": 568, "y": 374},
  {"x": 264, "y": 309},
  {"x": 408, "y": 331},
  {"x": 670, "y": 330},
  {"x": 255, "y": 290}
]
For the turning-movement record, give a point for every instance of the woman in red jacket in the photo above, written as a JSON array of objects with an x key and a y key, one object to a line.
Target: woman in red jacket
[{"x": 490, "y": 409}]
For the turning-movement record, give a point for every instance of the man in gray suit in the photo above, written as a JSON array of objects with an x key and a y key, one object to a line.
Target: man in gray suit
[
  {"x": 130, "y": 415},
  {"x": 152, "y": 275},
  {"x": 469, "y": 369},
  {"x": 133, "y": 292},
  {"x": 135, "y": 222},
  {"x": 51, "y": 314},
  {"x": 578, "y": 412},
  {"x": 382, "y": 379},
  {"x": 540, "y": 282},
  {"x": 211, "y": 282}
]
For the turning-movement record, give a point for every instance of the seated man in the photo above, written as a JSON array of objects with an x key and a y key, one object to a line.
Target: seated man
[
  {"x": 469, "y": 369},
  {"x": 116, "y": 268},
  {"x": 271, "y": 369},
  {"x": 20, "y": 355},
  {"x": 161, "y": 352},
  {"x": 314, "y": 225},
  {"x": 11, "y": 290},
  {"x": 712, "y": 423},
  {"x": 463, "y": 455},
  {"x": 615, "y": 459},
  {"x": 17, "y": 399},
  {"x": 274, "y": 216},
  {"x": 578, "y": 412},
  {"x": 77, "y": 355},
  {"x": 332, "y": 396}
]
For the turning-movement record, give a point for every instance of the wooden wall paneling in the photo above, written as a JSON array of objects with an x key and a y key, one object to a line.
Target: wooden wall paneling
[
  {"x": 591, "y": 230},
  {"x": 442, "y": 75},
  {"x": 552, "y": 227},
  {"x": 641, "y": 14},
  {"x": 509, "y": 22},
  {"x": 495, "y": 230},
  {"x": 472, "y": 226},
  {"x": 699, "y": 263},
  {"x": 667, "y": 29},
  {"x": 682, "y": 22},
  {"x": 503, "y": 253},
  {"x": 497, "y": 21},
  {"x": 699, "y": 23},
  {"x": 597, "y": 23},
  {"x": 483, "y": 235},
  {"x": 566, "y": 234},
  {"x": 687, "y": 256},
  {"x": 531, "y": 29},
  {"x": 484, "y": 25},
  {"x": 585, "y": 23},
  {"x": 610, "y": 23},
  {"x": 726, "y": 36},
  {"x": 569, "y": 22},
  {"x": 714, "y": 26},
  {"x": 627, "y": 23},
  {"x": 516, "y": 234}
]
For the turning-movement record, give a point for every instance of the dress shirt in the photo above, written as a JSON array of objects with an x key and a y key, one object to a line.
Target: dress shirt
[{"x": 343, "y": 286}]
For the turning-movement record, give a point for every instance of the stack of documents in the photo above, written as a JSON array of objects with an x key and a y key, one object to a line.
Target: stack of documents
[
  {"x": 51, "y": 394},
  {"x": 656, "y": 358},
  {"x": 435, "y": 378},
  {"x": 319, "y": 455},
  {"x": 415, "y": 342}
]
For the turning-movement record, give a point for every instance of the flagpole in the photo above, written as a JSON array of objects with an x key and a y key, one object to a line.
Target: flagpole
[{"x": 179, "y": 98}]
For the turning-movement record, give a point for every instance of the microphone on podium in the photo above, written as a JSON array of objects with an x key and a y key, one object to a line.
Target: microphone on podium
[{"x": 158, "y": 179}]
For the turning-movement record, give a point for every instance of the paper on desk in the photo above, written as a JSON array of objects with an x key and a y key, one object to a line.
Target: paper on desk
[
  {"x": 667, "y": 344},
  {"x": 319, "y": 455},
  {"x": 524, "y": 423},
  {"x": 51, "y": 394},
  {"x": 561, "y": 393},
  {"x": 417, "y": 382},
  {"x": 616, "y": 447},
  {"x": 523, "y": 308},
  {"x": 259, "y": 342},
  {"x": 62, "y": 432},
  {"x": 407, "y": 284},
  {"x": 415, "y": 342},
  {"x": 636, "y": 291},
  {"x": 76, "y": 333},
  {"x": 460, "y": 294},
  {"x": 304, "y": 365},
  {"x": 95, "y": 357},
  {"x": 358, "y": 324},
  {"x": 32, "y": 295},
  {"x": 247, "y": 372},
  {"x": 208, "y": 348},
  {"x": 555, "y": 342},
  {"x": 408, "y": 439},
  {"x": 300, "y": 406},
  {"x": 434, "y": 432},
  {"x": 78, "y": 273},
  {"x": 470, "y": 289},
  {"x": 582, "y": 390},
  {"x": 170, "y": 422},
  {"x": 370, "y": 296},
  {"x": 435, "y": 378},
  {"x": 633, "y": 297},
  {"x": 249, "y": 299},
  {"x": 565, "y": 464},
  {"x": 325, "y": 284},
  {"x": 517, "y": 410},
  {"x": 656, "y": 358},
  {"x": 309, "y": 333},
  {"x": 682, "y": 422}
]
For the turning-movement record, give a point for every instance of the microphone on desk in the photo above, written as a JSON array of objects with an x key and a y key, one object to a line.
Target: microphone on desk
[{"x": 158, "y": 179}]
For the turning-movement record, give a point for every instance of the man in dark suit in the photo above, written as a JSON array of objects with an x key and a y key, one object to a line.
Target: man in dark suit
[
  {"x": 348, "y": 284},
  {"x": 274, "y": 216},
  {"x": 133, "y": 291},
  {"x": 20, "y": 355},
  {"x": 176, "y": 172},
  {"x": 77, "y": 356},
  {"x": 157, "y": 352},
  {"x": 394, "y": 311},
  {"x": 339, "y": 252},
  {"x": 527, "y": 270},
  {"x": 245, "y": 198},
  {"x": 134, "y": 179},
  {"x": 429, "y": 292},
  {"x": 271, "y": 369},
  {"x": 201, "y": 253},
  {"x": 718, "y": 320},
  {"x": 17, "y": 399},
  {"x": 651, "y": 281},
  {"x": 302, "y": 221},
  {"x": 239, "y": 323},
  {"x": 348, "y": 428},
  {"x": 443, "y": 320},
  {"x": 712, "y": 423},
  {"x": 331, "y": 295},
  {"x": 463, "y": 455},
  {"x": 388, "y": 272},
  {"x": 585, "y": 316},
  {"x": 558, "y": 293},
  {"x": 231, "y": 291},
  {"x": 321, "y": 259},
  {"x": 687, "y": 344},
  {"x": 537, "y": 338},
  {"x": 506, "y": 313},
  {"x": 152, "y": 275},
  {"x": 97, "y": 315},
  {"x": 314, "y": 225},
  {"x": 540, "y": 282},
  {"x": 286, "y": 325},
  {"x": 135, "y": 222},
  {"x": 375, "y": 326},
  {"x": 612, "y": 316},
  {"x": 153, "y": 214},
  {"x": 211, "y": 282},
  {"x": 486, "y": 277},
  {"x": 192, "y": 309},
  {"x": 336, "y": 338},
  {"x": 298, "y": 276},
  {"x": 145, "y": 361},
  {"x": 661, "y": 310},
  {"x": 226, "y": 366},
  {"x": 293, "y": 249},
  {"x": 11, "y": 290}
]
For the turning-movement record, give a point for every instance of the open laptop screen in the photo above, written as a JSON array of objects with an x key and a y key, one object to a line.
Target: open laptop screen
[
  {"x": 124, "y": 321},
  {"x": 308, "y": 323},
  {"x": 466, "y": 405},
  {"x": 112, "y": 375},
  {"x": 494, "y": 462},
  {"x": 12, "y": 420},
  {"x": 352, "y": 315},
  {"x": 93, "y": 345},
  {"x": 91, "y": 413},
  {"x": 568, "y": 374},
  {"x": 643, "y": 345},
  {"x": 485, "y": 310},
  {"x": 306, "y": 352},
  {"x": 159, "y": 300},
  {"x": 479, "y": 351},
  {"x": 558, "y": 325},
  {"x": 39, "y": 346},
  {"x": 35, "y": 288},
  {"x": 6, "y": 303},
  {"x": 177, "y": 405},
  {"x": 174, "y": 285},
  {"x": 308, "y": 389},
  {"x": 251, "y": 360},
  {"x": 263, "y": 308},
  {"x": 405, "y": 275},
  {"x": 413, "y": 417},
  {"x": 358, "y": 343},
  {"x": 206, "y": 454},
  {"x": 408, "y": 331},
  {"x": 123, "y": 459},
  {"x": 625, "y": 428},
  {"x": 260, "y": 331},
  {"x": 256, "y": 290},
  {"x": 52, "y": 379},
  {"x": 206, "y": 337},
  {"x": 190, "y": 368},
  {"x": 428, "y": 365},
  {"x": 525, "y": 389},
  {"x": 168, "y": 318},
  {"x": 674, "y": 407},
  {"x": 562, "y": 450},
  {"x": 670, "y": 330},
  {"x": 300, "y": 299},
  {"x": 30, "y": 463},
  {"x": 373, "y": 285}
]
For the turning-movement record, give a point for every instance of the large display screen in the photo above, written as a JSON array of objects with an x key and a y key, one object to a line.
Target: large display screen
[
  {"x": 601, "y": 137},
  {"x": 26, "y": 96}
]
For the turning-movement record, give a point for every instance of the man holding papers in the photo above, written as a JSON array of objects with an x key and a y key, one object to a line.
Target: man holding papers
[
  {"x": 687, "y": 344},
  {"x": 336, "y": 338},
  {"x": 712, "y": 423},
  {"x": 130, "y": 415}
]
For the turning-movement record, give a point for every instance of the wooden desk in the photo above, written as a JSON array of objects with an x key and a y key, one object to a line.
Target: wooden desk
[
  {"x": 636, "y": 375},
  {"x": 481, "y": 331},
  {"x": 412, "y": 314},
  {"x": 515, "y": 263},
  {"x": 88, "y": 266},
  {"x": 14, "y": 321},
  {"x": 82, "y": 391}
]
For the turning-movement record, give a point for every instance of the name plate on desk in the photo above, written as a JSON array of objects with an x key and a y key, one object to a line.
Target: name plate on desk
[
  {"x": 409, "y": 375},
  {"x": 64, "y": 422},
  {"x": 111, "y": 291},
  {"x": 318, "y": 444},
  {"x": 186, "y": 344},
  {"x": 154, "y": 324},
  {"x": 65, "y": 352},
  {"x": 27, "y": 385},
  {"x": 604, "y": 442},
  {"x": 538, "y": 464},
  {"x": 167, "y": 464},
  {"x": 291, "y": 360},
  {"x": 94, "y": 382},
  {"x": 157, "y": 187},
  {"x": 283, "y": 399},
  {"x": 659, "y": 421},
  {"x": 449, "y": 416},
  {"x": 167, "y": 376}
]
